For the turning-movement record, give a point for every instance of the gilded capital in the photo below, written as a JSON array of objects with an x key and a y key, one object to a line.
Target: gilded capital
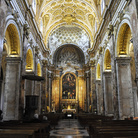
[
  {"x": 92, "y": 63},
  {"x": 44, "y": 62},
  {"x": 36, "y": 50}
]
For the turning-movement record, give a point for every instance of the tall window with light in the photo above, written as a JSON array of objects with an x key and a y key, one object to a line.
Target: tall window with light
[
  {"x": 102, "y": 6},
  {"x": 34, "y": 6},
  {"x": 41, "y": 26}
]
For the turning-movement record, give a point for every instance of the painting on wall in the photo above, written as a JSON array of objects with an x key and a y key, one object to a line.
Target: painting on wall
[{"x": 69, "y": 86}]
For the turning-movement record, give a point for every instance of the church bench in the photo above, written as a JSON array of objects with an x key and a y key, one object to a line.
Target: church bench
[
  {"x": 10, "y": 133},
  {"x": 53, "y": 118},
  {"x": 40, "y": 129},
  {"x": 44, "y": 128},
  {"x": 99, "y": 131},
  {"x": 116, "y": 134},
  {"x": 120, "y": 122},
  {"x": 86, "y": 119},
  {"x": 100, "y": 126}
]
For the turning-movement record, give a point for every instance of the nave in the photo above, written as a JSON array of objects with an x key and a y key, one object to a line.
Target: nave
[{"x": 69, "y": 128}]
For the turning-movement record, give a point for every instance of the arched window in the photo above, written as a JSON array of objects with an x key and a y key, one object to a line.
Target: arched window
[
  {"x": 12, "y": 40},
  {"x": 39, "y": 69},
  {"x": 98, "y": 72},
  {"x": 41, "y": 26},
  {"x": 107, "y": 60},
  {"x": 95, "y": 26},
  {"x": 123, "y": 41},
  {"x": 34, "y": 6},
  {"x": 29, "y": 60},
  {"x": 102, "y": 6}
]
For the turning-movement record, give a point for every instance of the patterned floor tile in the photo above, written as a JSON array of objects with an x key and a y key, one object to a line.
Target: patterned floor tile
[{"x": 69, "y": 128}]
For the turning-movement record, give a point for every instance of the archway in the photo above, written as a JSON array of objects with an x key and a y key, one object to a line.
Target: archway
[
  {"x": 68, "y": 53},
  {"x": 126, "y": 73},
  {"x": 108, "y": 88},
  {"x": 11, "y": 63},
  {"x": 99, "y": 90},
  {"x": 12, "y": 40},
  {"x": 68, "y": 60}
]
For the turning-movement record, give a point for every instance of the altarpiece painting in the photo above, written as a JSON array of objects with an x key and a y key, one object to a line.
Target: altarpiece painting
[{"x": 69, "y": 86}]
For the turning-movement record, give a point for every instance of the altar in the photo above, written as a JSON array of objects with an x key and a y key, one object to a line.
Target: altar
[{"x": 68, "y": 110}]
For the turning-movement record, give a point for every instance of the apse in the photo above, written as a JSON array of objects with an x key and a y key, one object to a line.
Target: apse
[{"x": 69, "y": 35}]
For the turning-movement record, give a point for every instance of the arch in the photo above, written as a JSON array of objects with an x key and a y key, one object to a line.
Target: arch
[
  {"x": 107, "y": 60},
  {"x": 59, "y": 24},
  {"x": 39, "y": 73},
  {"x": 123, "y": 41},
  {"x": 78, "y": 50},
  {"x": 12, "y": 40},
  {"x": 29, "y": 61},
  {"x": 98, "y": 72}
]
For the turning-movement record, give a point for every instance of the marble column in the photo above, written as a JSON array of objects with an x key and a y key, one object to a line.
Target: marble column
[
  {"x": 87, "y": 92},
  {"x": 12, "y": 88},
  {"x": 38, "y": 93},
  {"x": 44, "y": 93},
  {"x": 124, "y": 83},
  {"x": 50, "y": 90},
  {"x": 93, "y": 87},
  {"x": 91, "y": 82},
  {"x": 99, "y": 97},
  {"x": 108, "y": 93},
  {"x": 56, "y": 93}
]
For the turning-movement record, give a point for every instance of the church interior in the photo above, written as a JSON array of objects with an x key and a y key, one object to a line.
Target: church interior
[{"x": 68, "y": 63}]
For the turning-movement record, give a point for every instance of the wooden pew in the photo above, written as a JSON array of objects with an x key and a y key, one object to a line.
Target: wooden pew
[
  {"x": 113, "y": 128},
  {"x": 41, "y": 130},
  {"x": 10, "y": 133}
]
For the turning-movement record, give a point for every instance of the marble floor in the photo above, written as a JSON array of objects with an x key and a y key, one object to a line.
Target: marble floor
[{"x": 69, "y": 128}]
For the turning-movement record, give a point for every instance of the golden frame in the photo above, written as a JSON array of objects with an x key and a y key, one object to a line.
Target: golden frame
[{"x": 68, "y": 100}]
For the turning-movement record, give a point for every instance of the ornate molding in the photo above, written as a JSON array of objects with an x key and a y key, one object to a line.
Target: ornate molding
[
  {"x": 123, "y": 60},
  {"x": 107, "y": 73},
  {"x": 92, "y": 63},
  {"x": 26, "y": 30},
  {"x": 100, "y": 50},
  {"x": 121, "y": 15},
  {"x": 44, "y": 62},
  {"x": 105, "y": 44},
  {"x": 110, "y": 30},
  {"x": 36, "y": 50}
]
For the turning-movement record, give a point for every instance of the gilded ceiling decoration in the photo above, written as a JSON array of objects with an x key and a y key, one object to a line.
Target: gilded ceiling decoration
[{"x": 57, "y": 13}]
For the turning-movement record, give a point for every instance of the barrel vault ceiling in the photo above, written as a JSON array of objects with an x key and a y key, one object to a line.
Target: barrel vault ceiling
[{"x": 75, "y": 13}]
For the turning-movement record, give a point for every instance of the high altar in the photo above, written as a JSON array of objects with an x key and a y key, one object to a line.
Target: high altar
[{"x": 68, "y": 93}]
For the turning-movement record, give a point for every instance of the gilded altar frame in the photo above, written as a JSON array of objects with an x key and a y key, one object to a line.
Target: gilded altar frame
[{"x": 68, "y": 100}]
